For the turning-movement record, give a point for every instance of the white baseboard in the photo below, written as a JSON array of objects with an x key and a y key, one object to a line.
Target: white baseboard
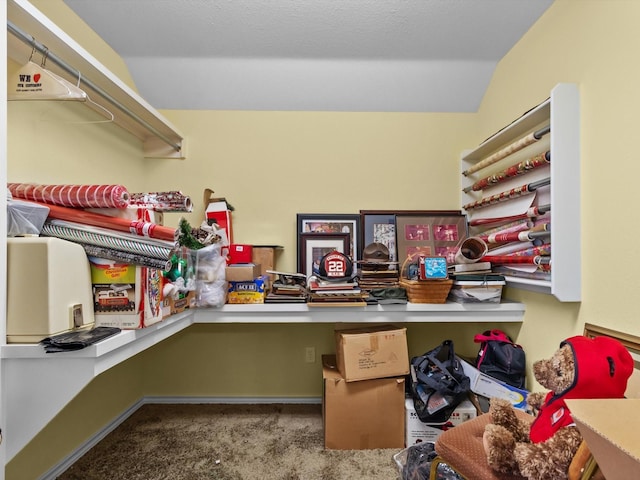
[{"x": 61, "y": 467}]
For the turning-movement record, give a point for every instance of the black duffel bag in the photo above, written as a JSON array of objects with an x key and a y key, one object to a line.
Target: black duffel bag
[
  {"x": 500, "y": 358},
  {"x": 437, "y": 384}
]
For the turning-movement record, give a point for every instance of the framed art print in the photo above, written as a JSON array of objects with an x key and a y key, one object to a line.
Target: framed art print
[
  {"x": 431, "y": 234},
  {"x": 333, "y": 223},
  {"x": 313, "y": 246}
]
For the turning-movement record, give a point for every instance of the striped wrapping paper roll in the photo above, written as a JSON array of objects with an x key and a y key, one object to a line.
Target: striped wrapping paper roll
[
  {"x": 79, "y": 196},
  {"x": 172, "y": 201},
  {"x": 102, "y": 239}
]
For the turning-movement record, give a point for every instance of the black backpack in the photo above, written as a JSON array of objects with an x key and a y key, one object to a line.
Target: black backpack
[{"x": 500, "y": 358}]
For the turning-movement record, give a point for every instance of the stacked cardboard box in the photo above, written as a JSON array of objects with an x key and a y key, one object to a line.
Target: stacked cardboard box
[{"x": 364, "y": 389}]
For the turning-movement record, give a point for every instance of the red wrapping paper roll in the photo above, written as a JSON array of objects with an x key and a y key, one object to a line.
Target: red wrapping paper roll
[
  {"x": 140, "y": 228},
  {"x": 78, "y": 196}
]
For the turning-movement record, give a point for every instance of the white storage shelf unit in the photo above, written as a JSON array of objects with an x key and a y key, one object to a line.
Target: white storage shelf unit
[{"x": 562, "y": 113}]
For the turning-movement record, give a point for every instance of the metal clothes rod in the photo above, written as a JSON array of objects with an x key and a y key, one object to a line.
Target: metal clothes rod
[{"x": 50, "y": 56}]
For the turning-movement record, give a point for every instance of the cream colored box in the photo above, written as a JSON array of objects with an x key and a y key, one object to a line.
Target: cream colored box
[{"x": 48, "y": 285}]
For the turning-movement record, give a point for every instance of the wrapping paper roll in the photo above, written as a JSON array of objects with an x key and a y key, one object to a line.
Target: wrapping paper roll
[
  {"x": 85, "y": 236},
  {"x": 79, "y": 196},
  {"x": 126, "y": 257},
  {"x": 141, "y": 228},
  {"x": 524, "y": 259},
  {"x": 172, "y": 201}
]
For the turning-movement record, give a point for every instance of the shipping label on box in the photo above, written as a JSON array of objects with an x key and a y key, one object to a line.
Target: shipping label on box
[
  {"x": 490, "y": 387},
  {"x": 126, "y": 296},
  {"x": 248, "y": 292},
  {"x": 417, "y": 431},
  {"x": 372, "y": 352},
  {"x": 361, "y": 415}
]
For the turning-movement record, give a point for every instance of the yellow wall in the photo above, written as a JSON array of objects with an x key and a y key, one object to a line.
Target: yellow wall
[{"x": 270, "y": 166}]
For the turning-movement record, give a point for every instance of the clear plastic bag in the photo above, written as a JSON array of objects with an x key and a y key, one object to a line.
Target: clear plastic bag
[
  {"x": 211, "y": 283},
  {"x": 25, "y": 218}
]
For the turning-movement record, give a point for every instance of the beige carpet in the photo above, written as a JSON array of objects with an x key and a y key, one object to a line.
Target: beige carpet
[{"x": 227, "y": 442}]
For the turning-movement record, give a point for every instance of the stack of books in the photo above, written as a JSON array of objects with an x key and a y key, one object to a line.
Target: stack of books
[
  {"x": 287, "y": 288},
  {"x": 477, "y": 268},
  {"x": 332, "y": 293}
]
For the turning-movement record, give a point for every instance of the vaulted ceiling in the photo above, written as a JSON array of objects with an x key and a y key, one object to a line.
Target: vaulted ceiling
[{"x": 327, "y": 55}]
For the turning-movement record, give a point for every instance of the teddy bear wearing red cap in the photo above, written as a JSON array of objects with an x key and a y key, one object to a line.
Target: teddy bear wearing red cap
[{"x": 581, "y": 368}]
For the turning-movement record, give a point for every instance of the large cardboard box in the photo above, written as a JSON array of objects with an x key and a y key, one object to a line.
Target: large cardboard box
[
  {"x": 490, "y": 387},
  {"x": 610, "y": 428},
  {"x": 361, "y": 415},
  {"x": 126, "y": 296},
  {"x": 417, "y": 431},
  {"x": 372, "y": 352}
]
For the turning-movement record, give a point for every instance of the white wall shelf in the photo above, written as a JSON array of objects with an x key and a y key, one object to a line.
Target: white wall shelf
[
  {"x": 159, "y": 137},
  {"x": 562, "y": 112}
]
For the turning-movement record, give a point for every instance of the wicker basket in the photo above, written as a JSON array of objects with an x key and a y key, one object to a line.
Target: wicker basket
[
  {"x": 424, "y": 291},
  {"x": 427, "y": 291}
]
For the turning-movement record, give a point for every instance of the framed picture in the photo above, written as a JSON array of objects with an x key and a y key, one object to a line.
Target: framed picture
[
  {"x": 430, "y": 234},
  {"x": 313, "y": 246},
  {"x": 379, "y": 226},
  {"x": 333, "y": 223}
]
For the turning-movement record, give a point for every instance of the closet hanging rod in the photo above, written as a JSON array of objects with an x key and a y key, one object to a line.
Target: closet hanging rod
[{"x": 50, "y": 56}]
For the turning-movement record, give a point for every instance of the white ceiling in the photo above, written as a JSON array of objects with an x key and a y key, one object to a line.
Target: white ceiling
[{"x": 334, "y": 55}]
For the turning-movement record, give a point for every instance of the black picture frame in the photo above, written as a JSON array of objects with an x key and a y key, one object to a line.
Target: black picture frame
[
  {"x": 333, "y": 223},
  {"x": 313, "y": 246}
]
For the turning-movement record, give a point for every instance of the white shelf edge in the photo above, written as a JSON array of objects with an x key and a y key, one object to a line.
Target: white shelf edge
[
  {"x": 33, "y": 22},
  {"x": 111, "y": 350},
  {"x": 505, "y": 311}
]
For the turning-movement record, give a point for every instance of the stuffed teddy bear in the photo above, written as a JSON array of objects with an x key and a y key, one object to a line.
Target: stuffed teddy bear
[{"x": 580, "y": 368}]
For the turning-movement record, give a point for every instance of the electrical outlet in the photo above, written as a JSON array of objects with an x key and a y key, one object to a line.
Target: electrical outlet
[{"x": 310, "y": 355}]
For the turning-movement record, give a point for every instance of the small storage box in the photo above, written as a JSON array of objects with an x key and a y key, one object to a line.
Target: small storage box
[{"x": 476, "y": 291}]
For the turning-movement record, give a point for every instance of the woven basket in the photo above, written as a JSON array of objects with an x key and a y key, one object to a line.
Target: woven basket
[
  {"x": 427, "y": 291},
  {"x": 424, "y": 291}
]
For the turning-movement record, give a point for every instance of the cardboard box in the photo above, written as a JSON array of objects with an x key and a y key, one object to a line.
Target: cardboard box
[
  {"x": 248, "y": 292},
  {"x": 184, "y": 301},
  {"x": 265, "y": 256},
  {"x": 610, "y": 428},
  {"x": 417, "y": 431},
  {"x": 372, "y": 352},
  {"x": 242, "y": 273},
  {"x": 361, "y": 415},
  {"x": 126, "y": 296},
  {"x": 490, "y": 387},
  {"x": 217, "y": 211}
]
